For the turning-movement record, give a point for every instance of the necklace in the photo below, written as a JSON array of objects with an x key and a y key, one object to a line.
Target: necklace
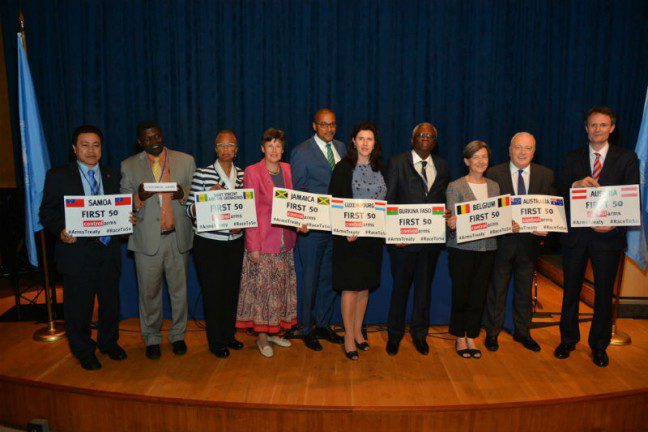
[{"x": 273, "y": 172}]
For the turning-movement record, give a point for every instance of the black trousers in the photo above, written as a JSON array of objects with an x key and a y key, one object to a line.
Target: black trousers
[
  {"x": 470, "y": 272},
  {"x": 100, "y": 277},
  {"x": 605, "y": 266},
  {"x": 514, "y": 256},
  {"x": 408, "y": 267},
  {"x": 218, "y": 265}
]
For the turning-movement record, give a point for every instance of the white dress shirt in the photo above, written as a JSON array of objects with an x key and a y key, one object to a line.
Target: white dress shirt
[
  {"x": 526, "y": 177},
  {"x": 430, "y": 170},
  {"x": 322, "y": 145}
]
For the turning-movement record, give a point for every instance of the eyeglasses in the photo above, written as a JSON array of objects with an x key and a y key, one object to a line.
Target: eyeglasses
[
  {"x": 425, "y": 135},
  {"x": 326, "y": 125},
  {"x": 225, "y": 145}
]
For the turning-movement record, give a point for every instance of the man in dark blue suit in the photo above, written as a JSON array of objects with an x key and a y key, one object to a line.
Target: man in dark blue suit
[
  {"x": 414, "y": 177},
  {"x": 311, "y": 164},
  {"x": 90, "y": 265},
  {"x": 599, "y": 164}
]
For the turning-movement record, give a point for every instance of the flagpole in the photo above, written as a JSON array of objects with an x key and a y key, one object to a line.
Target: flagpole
[
  {"x": 618, "y": 337},
  {"x": 54, "y": 331}
]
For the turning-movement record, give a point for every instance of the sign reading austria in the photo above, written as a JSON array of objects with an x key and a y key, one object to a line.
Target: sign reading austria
[{"x": 605, "y": 206}]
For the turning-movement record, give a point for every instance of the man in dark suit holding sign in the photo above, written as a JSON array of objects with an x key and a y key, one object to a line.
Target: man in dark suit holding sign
[
  {"x": 516, "y": 253},
  {"x": 89, "y": 265},
  {"x": 599, "y": 164},
  {"x": 414, "y": 177}
]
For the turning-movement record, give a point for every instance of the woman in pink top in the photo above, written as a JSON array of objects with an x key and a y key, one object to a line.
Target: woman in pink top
[{"x": 268, "y": 298}]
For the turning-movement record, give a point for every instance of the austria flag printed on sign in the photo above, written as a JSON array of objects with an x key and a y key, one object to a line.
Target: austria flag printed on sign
[{"x": 579, "y": 194}]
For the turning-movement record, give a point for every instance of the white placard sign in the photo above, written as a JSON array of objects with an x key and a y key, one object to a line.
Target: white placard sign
[
  {"x": 358, "y": 217},
  {"x": 539, "y": 213},
  {"x": 98, "y": 215},
  {"x": 225, "y": 209},
  {"x": 161, "y": 187},
  {"x": 482, "y": 219},
  {"x": 605, "y": 206},
  {"x": 296, "y": 208},
  {"x": 415, "y": 223}
]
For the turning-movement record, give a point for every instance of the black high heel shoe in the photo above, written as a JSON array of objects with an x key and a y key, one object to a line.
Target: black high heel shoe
[
  {"x": 352, "y": 355},
  {"x": 364, "y": 346}
]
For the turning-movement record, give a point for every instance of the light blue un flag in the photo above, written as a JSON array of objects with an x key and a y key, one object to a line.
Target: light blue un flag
[
  {"x": 34, "y": 151},
  {"x": 637, "y": 248}
]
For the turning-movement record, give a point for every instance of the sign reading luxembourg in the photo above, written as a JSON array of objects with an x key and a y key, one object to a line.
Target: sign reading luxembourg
[
  {"x": 296, "y": 208},
  {"x": 225, "y": 209},
  {"x": 539, "y": 213},
  {"x": 482, "y": 219},
  {"x": 605, "y": 206},
  {"x": 98, "y": 215},
  {"x": 415, "y": 223},
  {"x": 358, "y": 217}
]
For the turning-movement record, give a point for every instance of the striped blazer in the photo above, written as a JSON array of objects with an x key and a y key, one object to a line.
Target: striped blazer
[{"x": 203, "y": 180}]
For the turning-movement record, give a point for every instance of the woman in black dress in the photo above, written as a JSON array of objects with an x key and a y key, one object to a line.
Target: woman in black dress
[{"x": 357, "y": 261}]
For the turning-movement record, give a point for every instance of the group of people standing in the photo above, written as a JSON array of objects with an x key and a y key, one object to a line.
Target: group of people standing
[{"x": 247, "y": 279}]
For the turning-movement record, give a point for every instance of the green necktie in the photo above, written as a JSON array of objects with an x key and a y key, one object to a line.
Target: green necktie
[{"x": 329, "y": 155}]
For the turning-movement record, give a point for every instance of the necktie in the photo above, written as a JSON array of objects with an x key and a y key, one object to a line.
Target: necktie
[
  {"x": 596, "y": 172},
  {"x": 94, "y": 190},
  {"x": 329, "y": 155},
  {"x": 521, "y": 189},
  {"x": 424, "y": 173},
  {"x": 157, "y": 170}
]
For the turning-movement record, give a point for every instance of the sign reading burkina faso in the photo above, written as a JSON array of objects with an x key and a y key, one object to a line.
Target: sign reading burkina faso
[
  {"x": 482, "y": 219},
  {"x": 605, "y": 206},
  {"x": 415, "y": 223},
  {"x": 98, "y": 215},
  {"x": 358, "y": 217},
  {"x": 225, "y": 209},
  {"x": 295, "y": 208},
  {"x": 539, "y": 213}
]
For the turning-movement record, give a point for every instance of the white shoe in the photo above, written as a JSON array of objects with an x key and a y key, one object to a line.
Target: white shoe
[
  {"x": 279, "y": 341},
  {"x": 266, "y": 351}
]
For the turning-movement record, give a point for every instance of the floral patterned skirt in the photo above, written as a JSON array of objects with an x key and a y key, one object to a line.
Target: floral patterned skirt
[{"x": 268, "y": 298}]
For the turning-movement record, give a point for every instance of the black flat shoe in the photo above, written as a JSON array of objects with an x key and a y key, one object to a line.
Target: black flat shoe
[
  {"x": 221, "y": 352},
  {"x": 421, "y": 346},
  {"x": 90, "y": 363},
  {"x": 327, "y": 333},
  {"x": 527, "y": 342},
  {"x": 235, "y": 344},
  {"x": 179, "y": 347},
  {"x": 562, "y": 351},
  {"x": 352, "y": 355},
  {"x": 153, "y": 352},
  {"x": 311, "y": 342},
  {"x": 600, "y": 358},
  {"x": 364, "y": 346},
  {"x": 115, "y": 353},
  {"x": 392, "y": 347},
  {"x": 491, "y": 343}
]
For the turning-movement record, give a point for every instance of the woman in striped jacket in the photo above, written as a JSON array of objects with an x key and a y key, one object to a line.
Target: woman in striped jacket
[{"x": 218, "y": 255}]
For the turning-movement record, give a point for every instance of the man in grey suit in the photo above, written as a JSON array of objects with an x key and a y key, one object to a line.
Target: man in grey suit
[
  {"x": 311, "y": 164},
  {"x": 162, "y": 237},
  {"x": 516, "y": 253}
]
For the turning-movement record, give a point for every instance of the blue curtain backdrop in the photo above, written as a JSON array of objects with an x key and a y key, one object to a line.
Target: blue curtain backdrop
[{"x": 476, "y": 69}]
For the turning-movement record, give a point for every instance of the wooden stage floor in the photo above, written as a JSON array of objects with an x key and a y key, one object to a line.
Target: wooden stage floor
[{"x": 298, "y": 389}]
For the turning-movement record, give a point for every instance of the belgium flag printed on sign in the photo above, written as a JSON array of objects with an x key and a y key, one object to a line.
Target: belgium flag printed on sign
[
  {"x": 463, "y": 209},
  {"x": 504, "y": 201}
]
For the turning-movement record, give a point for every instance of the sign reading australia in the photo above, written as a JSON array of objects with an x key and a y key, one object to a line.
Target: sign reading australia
[{"x": 296, "y": 208}]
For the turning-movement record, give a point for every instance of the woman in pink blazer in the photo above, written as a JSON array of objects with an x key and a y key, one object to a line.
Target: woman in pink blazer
[{"x": 268, "y": 298}]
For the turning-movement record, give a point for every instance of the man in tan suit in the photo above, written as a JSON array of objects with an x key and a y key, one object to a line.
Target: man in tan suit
[{"x": 162, "y": 237}]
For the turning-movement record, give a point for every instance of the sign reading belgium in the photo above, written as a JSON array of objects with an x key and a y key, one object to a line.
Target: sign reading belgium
[
  {"x": 481, "y": 219},
  {"x": 296, "y": 208}
]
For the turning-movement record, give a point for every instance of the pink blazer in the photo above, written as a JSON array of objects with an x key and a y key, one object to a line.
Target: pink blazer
[{"x": 266, "y": 237}]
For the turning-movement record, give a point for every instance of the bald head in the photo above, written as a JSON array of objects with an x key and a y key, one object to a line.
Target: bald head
[
  {"x": 522, "y": 149},
  {"x": 324, "y": 124}
]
